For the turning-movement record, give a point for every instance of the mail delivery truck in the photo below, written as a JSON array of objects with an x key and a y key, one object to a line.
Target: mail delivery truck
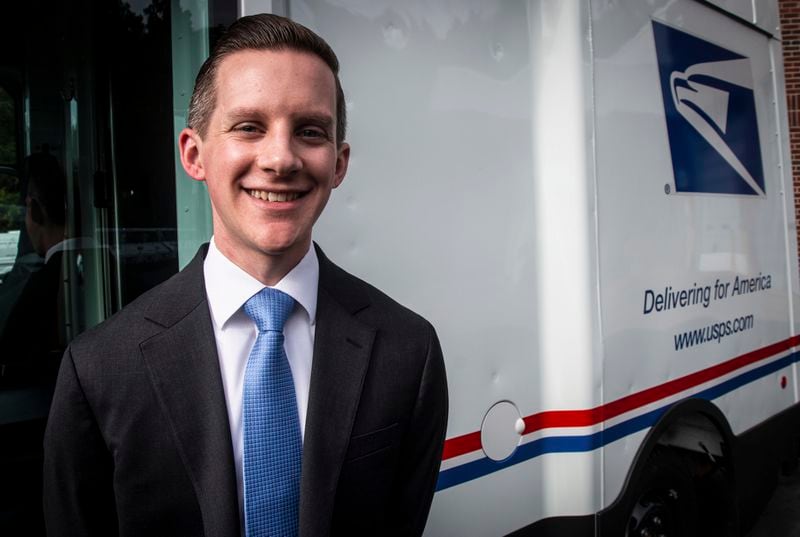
[{"x": 592, "y": 202}]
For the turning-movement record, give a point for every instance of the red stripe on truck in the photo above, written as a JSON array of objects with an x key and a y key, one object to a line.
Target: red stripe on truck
[{"x": 467, "y": 443}]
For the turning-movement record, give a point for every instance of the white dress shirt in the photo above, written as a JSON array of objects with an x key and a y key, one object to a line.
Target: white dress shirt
[{"x": 228, "y": 287}]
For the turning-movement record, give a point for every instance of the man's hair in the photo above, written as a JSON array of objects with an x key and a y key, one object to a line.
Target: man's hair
[{"x": 260, "y": 32}]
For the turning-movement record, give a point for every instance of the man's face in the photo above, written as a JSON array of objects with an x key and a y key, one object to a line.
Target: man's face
[{"x": 269, "y": 156}]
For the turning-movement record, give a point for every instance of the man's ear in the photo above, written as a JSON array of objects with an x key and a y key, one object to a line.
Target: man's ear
[
  {"x": 342, "y": 160},
  {"x": 189, "y": 145},
  {"x": 37, "y": 212}
]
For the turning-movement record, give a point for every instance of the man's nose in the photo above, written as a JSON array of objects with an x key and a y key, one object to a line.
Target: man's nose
[{"x": 277, "y": 154}]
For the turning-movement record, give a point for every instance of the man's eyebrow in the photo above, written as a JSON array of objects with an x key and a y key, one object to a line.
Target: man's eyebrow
[
  {"x": 320, "y": 120},
  {"x": 242, "y": 113}
]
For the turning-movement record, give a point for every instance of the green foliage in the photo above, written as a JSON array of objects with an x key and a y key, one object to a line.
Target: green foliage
[
  {"x": 8, "y": 134},
  {"x": 12, "y": 214}
]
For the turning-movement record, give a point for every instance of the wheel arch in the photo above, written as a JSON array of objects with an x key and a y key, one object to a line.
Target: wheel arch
[{"x": 672, "y": 429}]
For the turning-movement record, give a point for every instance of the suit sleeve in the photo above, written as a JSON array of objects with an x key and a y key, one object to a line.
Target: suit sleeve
[
  {"x": 78, "y": 489},
  {"x": 422, "y": 450}
]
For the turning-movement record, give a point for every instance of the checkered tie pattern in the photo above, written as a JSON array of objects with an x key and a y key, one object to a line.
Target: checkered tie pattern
[{"x": 272, "y": 441}]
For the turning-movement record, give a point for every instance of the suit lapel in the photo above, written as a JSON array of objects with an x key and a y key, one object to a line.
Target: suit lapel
[
  {"x": 184, "y": 368},
  {"x": 342, "y": 350}
]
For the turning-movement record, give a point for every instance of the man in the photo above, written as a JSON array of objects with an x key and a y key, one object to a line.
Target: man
[
  {"x": 155, "y": 428},
  {"x": 31, "y": 335},
  {"x": 31, "y": 339}
]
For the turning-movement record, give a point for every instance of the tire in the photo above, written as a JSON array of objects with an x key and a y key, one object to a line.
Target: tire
[{"x": 664, "y": 502}]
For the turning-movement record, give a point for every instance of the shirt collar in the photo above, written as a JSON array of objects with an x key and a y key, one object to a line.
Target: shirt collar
[
  {"x": 73, "y": 243},
  {"x": 228, "y": 286}
]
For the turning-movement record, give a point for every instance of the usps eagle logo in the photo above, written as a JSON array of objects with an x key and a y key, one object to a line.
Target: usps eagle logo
[{"x": 710, "y": 110}]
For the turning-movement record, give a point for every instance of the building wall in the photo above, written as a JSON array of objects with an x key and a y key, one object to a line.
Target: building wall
[{"x": 790, "y": 31}]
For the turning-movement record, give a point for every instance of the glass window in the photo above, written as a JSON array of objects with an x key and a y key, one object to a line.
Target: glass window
[
  {"x": 196, "y": 24},
  {"x": 11, "y": 210},
  {"x": 88, "y": 115}
]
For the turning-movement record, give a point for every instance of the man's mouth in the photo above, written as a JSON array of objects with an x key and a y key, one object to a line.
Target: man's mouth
[{"x": 275, "y": 196}]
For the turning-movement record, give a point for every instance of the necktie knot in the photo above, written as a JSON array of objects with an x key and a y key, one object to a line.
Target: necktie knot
[{"x": 269, "y": 309}]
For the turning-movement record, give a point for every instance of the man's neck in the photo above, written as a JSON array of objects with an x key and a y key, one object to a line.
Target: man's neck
[{"x": 267, "y": 268}]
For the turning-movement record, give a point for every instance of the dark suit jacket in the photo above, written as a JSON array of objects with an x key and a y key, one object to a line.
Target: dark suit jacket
[
  {"x": 138, "y": 441},
  {"x": 31, "y": 338}
]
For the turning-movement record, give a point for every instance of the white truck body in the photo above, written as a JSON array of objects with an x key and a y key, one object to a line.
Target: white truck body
[{"x": 592, "y": 202}]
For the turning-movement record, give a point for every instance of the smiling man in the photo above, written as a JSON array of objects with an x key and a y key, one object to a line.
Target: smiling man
[{"x": 262, "y": 390}]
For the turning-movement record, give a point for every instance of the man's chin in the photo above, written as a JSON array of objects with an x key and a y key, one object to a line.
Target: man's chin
[{"x": 288, "y": 248}]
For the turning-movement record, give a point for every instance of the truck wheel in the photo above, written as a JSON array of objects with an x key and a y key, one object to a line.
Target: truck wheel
[{"x": 664, "y": 503}]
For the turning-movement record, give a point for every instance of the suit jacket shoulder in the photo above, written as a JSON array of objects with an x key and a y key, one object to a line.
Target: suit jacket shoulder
[
  {"x": 156, "y": 309},
  {"x": 367, "y": 302},
  {"x": 140, "y": 399},
  {"x": 377, "y": 413}
]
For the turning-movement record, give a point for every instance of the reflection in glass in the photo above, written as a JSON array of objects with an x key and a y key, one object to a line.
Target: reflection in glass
[
  {"x": 87, "y": 197},
  {"x": 11, "y": 207}
]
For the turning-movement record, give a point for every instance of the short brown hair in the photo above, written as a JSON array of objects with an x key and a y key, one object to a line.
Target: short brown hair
[{"x": 261, "y": 32}]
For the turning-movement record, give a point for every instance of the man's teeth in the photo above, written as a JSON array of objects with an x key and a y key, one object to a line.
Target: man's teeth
[{"x": 274, "y": 196}]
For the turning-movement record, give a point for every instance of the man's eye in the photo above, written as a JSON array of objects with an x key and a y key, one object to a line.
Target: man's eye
[
  {"x": 246, "y": 128},
  {"x": 311, "y": 133}
]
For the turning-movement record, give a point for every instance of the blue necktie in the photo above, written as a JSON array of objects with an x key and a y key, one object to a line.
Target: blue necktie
[{"x": 272, "y": 441}]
